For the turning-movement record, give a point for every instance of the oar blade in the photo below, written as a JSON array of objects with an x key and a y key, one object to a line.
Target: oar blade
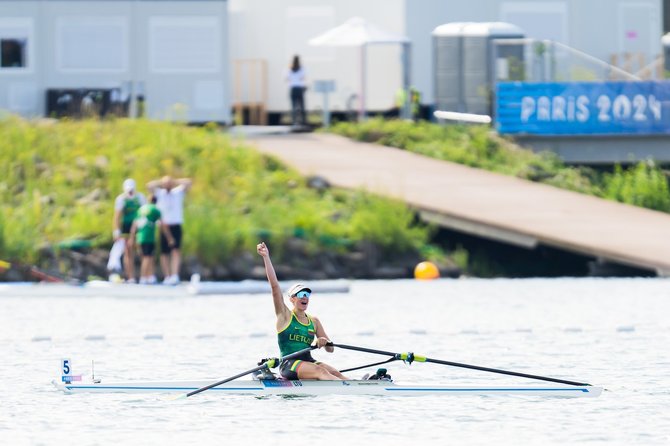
[{"x": 181, "y": 396}]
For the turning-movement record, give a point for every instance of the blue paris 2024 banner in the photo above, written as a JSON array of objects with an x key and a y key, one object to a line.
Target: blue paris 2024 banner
[{"x": 583, "y": 108}]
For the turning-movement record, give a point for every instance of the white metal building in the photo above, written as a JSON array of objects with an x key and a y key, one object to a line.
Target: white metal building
[
  {"x": 210, "y": 55},
  {"x": 171, "y": 53},
  {"x": 273, "y": 31}
]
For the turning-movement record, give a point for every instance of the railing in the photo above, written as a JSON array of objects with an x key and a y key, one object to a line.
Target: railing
[{"x": 534, "y": 60}]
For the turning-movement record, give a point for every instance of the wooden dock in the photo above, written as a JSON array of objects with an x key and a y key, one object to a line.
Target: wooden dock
[{"x": 482, "y": 203}]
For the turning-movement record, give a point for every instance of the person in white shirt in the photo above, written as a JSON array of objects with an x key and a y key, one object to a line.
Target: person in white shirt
[
  {"x": 297, "y": 86},
  {"x": 170, "y": 194}
]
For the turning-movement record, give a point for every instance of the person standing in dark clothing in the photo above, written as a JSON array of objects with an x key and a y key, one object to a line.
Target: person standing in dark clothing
[{"x": 297, "y": 87}]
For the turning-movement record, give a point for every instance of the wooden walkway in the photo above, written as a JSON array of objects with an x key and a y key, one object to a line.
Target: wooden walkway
[{"x": 482, "y": 203}]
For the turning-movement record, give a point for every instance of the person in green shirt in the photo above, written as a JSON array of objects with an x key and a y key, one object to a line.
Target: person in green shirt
[
  {"x": 143, "y": 231},
  {"x": 125, "y": 211},
  {"x": 297, "y": 330}
]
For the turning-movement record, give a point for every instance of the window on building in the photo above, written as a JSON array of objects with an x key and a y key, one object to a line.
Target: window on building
[
  {"x": 13, "y": 53},
  {"x": 190, "y": 44},
  {"x": 92, "y": 43}
]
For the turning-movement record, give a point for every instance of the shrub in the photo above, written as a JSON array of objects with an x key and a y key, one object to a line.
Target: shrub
[
  {"x": 643, "y": 185},
  {"x": 60, "y": 180}
]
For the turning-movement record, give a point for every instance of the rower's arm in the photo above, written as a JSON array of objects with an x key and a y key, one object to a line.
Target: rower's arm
[
  {"x": 281, "y": 310},
  {"x": 186, "y": 182},
  {"x": 321, "y": 335},
  {"x": 116, "y": 225},
  {"x": 116, "y": 222},
  {"x": 153, "y": 185},
  {"x": 166, "y": 233}
]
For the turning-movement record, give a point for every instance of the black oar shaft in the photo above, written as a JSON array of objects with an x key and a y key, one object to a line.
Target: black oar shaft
[
  {"x": 255, "y": 369},
  {"x": 223, "y": 381},
  {"x": 506, "y": 372},
  {"x": 364, "y": 349},
  {"x": 368, "y": 365},
  {"x": 458, "y": 364}
]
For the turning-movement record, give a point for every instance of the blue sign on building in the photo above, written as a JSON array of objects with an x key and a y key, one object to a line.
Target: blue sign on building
[{"x": 583, "y": 108}]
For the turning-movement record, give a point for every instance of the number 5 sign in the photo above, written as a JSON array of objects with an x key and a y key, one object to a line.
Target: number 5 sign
[{"x": 66, "y": 371}]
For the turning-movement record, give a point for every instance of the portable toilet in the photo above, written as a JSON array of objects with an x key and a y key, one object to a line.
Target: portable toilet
[
  {"x": 464, "y": 67},
  {"x": 448, "y": 64},
  {"x": 665, "y": 42},
  {"x": 478, "y": 63}
]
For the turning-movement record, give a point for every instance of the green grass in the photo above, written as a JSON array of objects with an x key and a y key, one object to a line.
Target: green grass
[
  {"x": 60, "y": 179},
  {"x": 644, "y": 184}
]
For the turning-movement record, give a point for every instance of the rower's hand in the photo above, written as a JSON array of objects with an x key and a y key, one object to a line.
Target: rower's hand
[
  {"x": 262, "y": 250},
  {"x": 321, "y": 342}
]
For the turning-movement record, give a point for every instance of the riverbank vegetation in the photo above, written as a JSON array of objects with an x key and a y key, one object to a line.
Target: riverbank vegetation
[
  {"x": 643, "y": 184},
  {"x": 60, "y": 179}
]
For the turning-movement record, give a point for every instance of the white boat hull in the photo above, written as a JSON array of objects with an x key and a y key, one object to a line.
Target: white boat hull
[
  {"x": 103, "y": 288},
  {"x": 308, "y": 387}
]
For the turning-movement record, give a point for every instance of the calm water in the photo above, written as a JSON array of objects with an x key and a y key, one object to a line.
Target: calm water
[{"x": 613, "y": 333}]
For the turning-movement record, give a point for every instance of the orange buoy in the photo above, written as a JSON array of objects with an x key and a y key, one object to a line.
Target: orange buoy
[{"x": 426, "y": 271}]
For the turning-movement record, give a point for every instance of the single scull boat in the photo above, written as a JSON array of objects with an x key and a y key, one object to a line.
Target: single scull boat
[
  {"x": 265, "y": 387},
  {"x": 382, "y": 385}
]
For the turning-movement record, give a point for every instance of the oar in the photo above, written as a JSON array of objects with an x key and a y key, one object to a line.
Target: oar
[
  {"x": 34, "y": 272},
  {"x": 272, "y": 362},
  {"x": 410, "y": 357}
]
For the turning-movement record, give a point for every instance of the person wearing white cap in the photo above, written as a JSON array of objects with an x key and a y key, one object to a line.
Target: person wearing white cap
[
  {"x": 126, "y": 206},
  {"x": 297, "y": 330}
]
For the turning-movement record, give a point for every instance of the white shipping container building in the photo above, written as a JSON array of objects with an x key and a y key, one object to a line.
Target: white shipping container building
[
  {"x": 274, "y": 31},
  {"x": 271, "y": 32},
  {"x": 212, "y": 55},
  {"x": 172, "y": 54}
]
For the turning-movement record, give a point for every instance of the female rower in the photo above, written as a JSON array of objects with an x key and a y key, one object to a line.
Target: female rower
[{"x": 296, "y": 329}]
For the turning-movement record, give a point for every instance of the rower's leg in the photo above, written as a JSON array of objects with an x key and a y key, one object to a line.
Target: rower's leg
[
  {"x": 175, "y": 260},
  {"x": 165, "y": 265},
  {"x": 310, "y": 370},
  {"x": 145, "y": 268},
  {"x": 129, "y": 262},
  {"x": 333, "y": 371}
]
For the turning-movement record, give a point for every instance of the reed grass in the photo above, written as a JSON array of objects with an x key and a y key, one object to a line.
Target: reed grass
[{"x": 60, "y": 179}]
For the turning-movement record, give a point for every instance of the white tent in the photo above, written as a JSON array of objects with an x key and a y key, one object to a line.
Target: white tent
[{"x": 357, "y": 32}]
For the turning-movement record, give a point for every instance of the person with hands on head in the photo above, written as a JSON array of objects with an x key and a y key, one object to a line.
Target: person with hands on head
[
  {"x": 170, "y": 193},
  {"x": 297, "y": 330}
]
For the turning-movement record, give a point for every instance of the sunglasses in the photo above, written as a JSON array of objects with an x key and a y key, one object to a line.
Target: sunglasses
[{"x": 303, "y": 294}]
